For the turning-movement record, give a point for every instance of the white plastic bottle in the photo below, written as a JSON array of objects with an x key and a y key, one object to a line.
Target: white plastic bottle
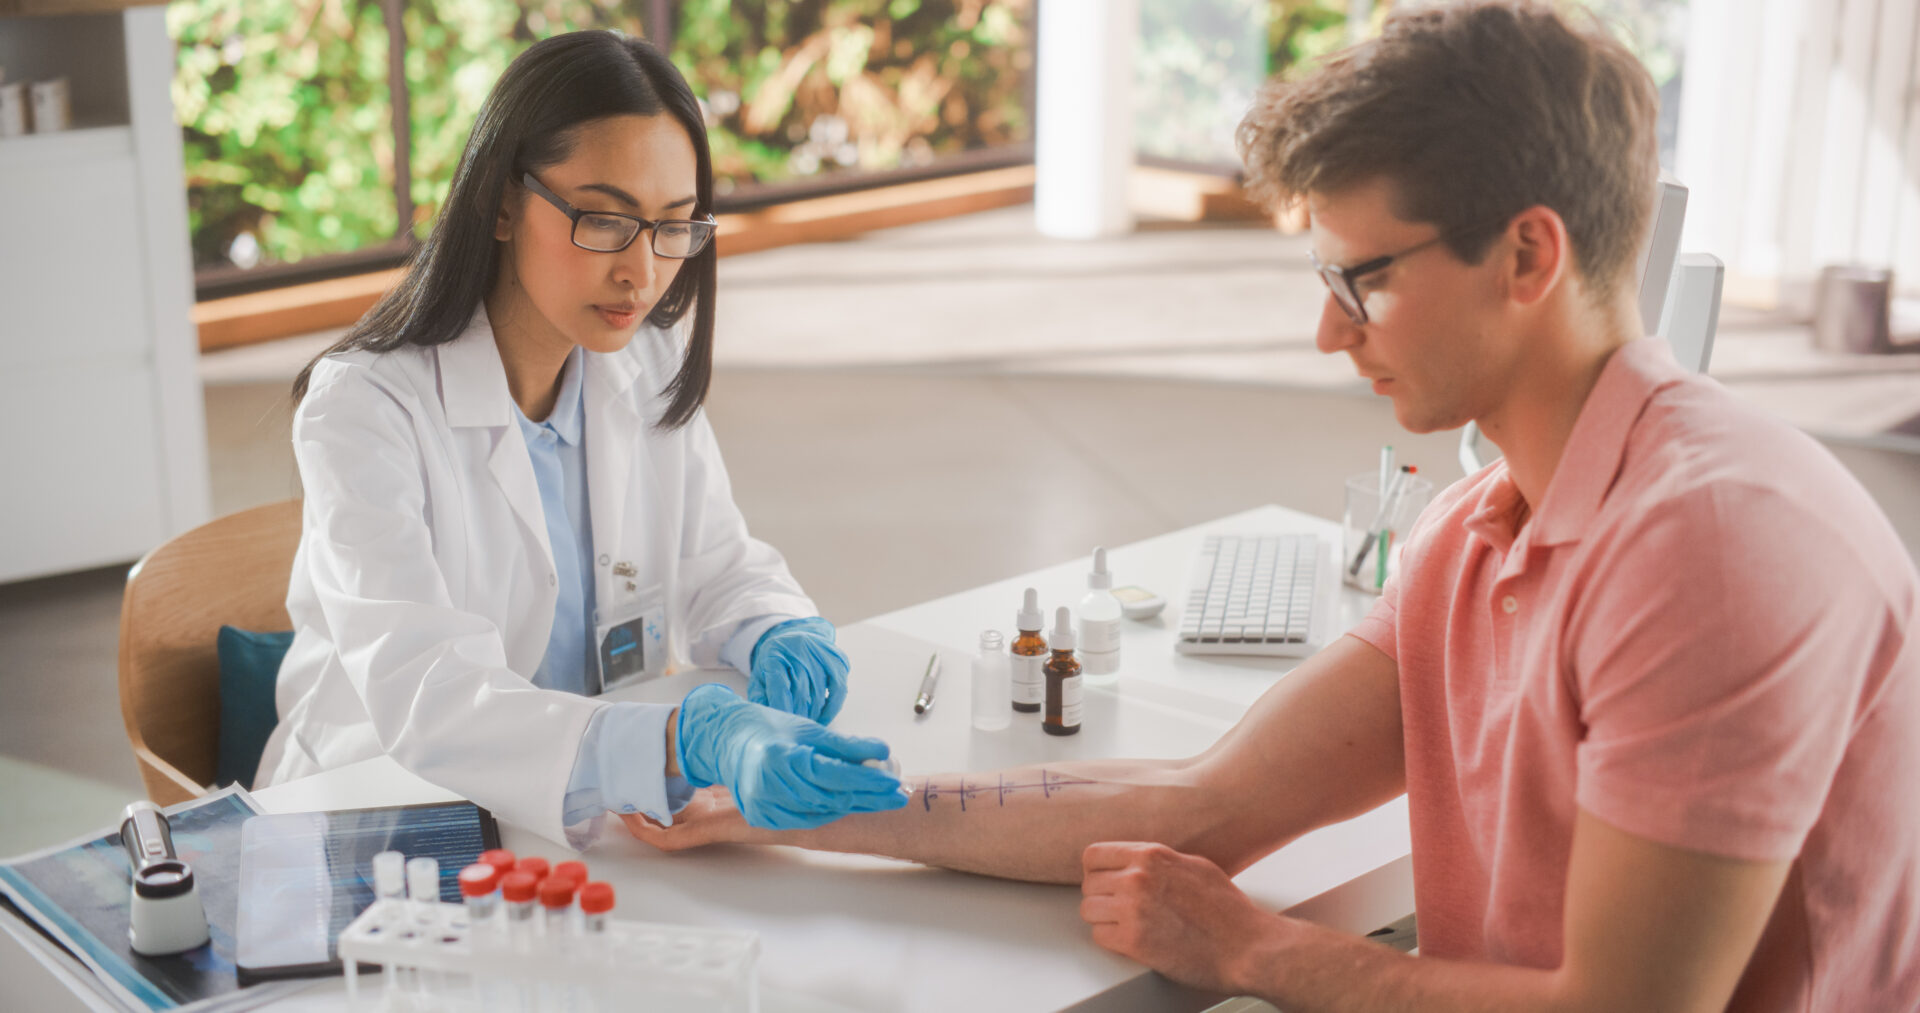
[
  {"x": 992, "y": 684},
  {"x": 1099, "y": 615}
]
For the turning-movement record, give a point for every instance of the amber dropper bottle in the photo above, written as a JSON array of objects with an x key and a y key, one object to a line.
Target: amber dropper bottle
[
  {"x": 1063, "y": 680},
  {"x": 1029, "y": 655}
]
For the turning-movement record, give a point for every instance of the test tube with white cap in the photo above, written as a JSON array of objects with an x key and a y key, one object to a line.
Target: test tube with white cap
[
  {"x": 423, "y": 904},
  {"x": 390, "y": 884}
]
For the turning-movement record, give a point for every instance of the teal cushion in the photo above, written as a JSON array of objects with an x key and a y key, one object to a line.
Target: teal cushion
[{"x": 249, "y": 666}]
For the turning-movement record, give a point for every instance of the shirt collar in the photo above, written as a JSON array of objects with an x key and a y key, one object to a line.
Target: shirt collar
[
  {"x": 568, "y": 410},
  {"x": 1596, "y": 449},
  {"x": 473, "y": 382}
]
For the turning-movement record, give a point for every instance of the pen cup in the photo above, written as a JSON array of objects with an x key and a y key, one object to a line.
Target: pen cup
[{"x": 1367, "y": 530}]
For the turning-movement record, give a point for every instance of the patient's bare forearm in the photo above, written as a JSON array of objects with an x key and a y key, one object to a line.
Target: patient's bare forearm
[{"x": 1027, "y": 823}]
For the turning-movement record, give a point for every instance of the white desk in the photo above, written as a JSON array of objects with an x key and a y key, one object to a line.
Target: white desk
[{"x": 844, "y": 932}]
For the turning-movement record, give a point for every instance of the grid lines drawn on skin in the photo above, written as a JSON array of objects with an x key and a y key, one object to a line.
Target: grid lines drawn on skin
[{"x": 1047, "y": 785}]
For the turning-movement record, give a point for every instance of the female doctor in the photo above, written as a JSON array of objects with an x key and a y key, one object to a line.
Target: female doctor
[{"x": 513, "y": 499}]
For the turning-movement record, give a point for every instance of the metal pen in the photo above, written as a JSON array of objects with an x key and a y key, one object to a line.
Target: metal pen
[{"x": 924, "y": 702}]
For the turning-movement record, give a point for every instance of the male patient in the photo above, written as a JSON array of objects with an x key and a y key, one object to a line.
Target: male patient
[{"x": 1650, "y": 682}]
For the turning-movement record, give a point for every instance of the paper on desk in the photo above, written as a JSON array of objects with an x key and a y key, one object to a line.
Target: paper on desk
[{"x": 79, "y": 892}]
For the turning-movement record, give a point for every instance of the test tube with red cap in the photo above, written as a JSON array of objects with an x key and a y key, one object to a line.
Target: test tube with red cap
[
  {"x": 500, "y": 858},
  {"x": 574, "y": 870},
  {"x": 479, "y": 887},
  {"x": 533, "y": 865},
  {"x": 596, "y": 899},
  {"x": 519, "y": 890},
  {"x": 556, "y": 896}
]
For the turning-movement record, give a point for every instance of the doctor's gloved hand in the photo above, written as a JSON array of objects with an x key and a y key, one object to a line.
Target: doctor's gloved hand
[
  {"x": 786, "y": 772},
  {"x": 797, "y": 669}
]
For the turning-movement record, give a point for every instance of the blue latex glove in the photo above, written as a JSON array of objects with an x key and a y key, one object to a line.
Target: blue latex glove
[
  {"x": 786, "y": 772},
  {"x": 797, "y": 669}
]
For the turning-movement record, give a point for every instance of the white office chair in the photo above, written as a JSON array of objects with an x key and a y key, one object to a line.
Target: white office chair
[{"x": 1679, "y": 298}]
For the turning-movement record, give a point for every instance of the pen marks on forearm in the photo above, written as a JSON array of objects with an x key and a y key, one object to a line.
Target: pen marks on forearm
[{"x": 1048, "y": 784}]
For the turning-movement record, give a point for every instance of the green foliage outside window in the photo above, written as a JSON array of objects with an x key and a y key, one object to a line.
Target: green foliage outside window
[
  {"x": 288, "y": 125},
  {"x": 1200, "y": 61},
  {"x": 287, "y": 121},
  {"x": 799, "y": 87},
  {"x": 287, "y": 128}
]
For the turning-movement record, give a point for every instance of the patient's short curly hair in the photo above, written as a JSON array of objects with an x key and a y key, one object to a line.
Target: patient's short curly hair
[{"x": 1476, "y": 111}]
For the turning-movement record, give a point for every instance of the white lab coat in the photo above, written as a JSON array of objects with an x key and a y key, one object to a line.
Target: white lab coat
[{"x": 423, "y": 589}]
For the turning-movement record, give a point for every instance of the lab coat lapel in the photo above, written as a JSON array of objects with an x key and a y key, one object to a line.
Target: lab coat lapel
[
  {"x": 473, "y": 389},
  {"x": 615, "y": 435}
]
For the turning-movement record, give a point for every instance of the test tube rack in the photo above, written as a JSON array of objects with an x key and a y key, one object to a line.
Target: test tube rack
[{"x": 440, "y": 963}]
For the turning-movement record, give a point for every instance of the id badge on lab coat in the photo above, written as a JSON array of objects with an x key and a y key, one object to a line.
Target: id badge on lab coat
[{"x": 631, "y": 642}]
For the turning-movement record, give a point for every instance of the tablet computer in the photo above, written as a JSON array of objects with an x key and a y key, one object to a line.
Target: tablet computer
[{"x": 305, "y": 876}]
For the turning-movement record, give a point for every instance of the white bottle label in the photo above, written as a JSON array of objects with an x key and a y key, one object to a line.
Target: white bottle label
[
  {"x": 1029, "y": 679},
  {"x": 1099, "y": 636},
  {"x": 1071, "y": 701}
]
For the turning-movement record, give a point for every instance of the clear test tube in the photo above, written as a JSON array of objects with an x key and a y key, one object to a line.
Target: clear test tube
[
  {"x": 596, "y": 900},
  {"x": 390, "y": 876},
  {"x": 423, "y": 910},
  {"x": 518, "y": 892},
  {"x": 479, "y": 887},
  {"x": 556, "y": 896},
  {"x": 390, "y": 892}
]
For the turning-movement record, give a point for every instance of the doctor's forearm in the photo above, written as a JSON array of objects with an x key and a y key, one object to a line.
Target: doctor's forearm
[{"x": 1027, "y": 823}]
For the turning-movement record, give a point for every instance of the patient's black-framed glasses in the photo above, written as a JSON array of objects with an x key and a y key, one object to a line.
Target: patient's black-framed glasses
[
  {"x": 1343, "y": 282},
  {"x": 611, "y": 232}
]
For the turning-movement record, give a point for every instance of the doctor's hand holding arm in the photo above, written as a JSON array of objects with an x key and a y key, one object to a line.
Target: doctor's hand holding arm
[{"x": 785, "y": 772}]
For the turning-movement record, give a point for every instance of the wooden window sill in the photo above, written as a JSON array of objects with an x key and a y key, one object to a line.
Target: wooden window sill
[{"x": 324, "y": 305}]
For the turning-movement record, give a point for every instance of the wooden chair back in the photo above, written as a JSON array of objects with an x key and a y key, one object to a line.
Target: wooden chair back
[{"x": 232, "y": 570}]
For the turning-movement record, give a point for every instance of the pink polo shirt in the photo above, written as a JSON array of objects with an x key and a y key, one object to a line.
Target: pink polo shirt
[{"x": 1704, "y": 636}]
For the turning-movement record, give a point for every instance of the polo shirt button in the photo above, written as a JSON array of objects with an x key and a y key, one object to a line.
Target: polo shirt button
[
  {"x": 1510, "y": 604},
  {"x": 554, "y": 581}
]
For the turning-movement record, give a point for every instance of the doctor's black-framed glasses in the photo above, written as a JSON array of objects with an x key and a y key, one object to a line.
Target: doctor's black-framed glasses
[{"x": 611, "y": 232}]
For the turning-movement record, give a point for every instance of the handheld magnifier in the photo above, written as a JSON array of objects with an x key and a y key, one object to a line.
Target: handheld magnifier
[{"x": 166, "y": 916}]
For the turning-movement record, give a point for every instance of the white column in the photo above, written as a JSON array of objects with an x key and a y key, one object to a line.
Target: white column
[
  {"x": 181, "y": 435},
  {"x": 1083, "y": 149}
]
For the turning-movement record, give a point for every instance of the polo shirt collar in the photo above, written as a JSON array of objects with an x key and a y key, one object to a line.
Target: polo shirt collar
[{"x": 1596, "y": 449}]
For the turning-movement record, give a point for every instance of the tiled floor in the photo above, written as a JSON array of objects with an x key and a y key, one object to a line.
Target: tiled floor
[{"x": 925, "y": 410}]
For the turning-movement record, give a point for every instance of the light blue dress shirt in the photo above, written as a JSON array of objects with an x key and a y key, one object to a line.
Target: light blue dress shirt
[{"x": 604, "y": 774}]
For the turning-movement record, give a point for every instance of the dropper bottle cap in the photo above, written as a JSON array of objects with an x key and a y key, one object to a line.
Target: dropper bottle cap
[
  {"x": 1099, "y": 578},
  {"x": 1062, "y": 635},
  {"x": 1029, "y": 618}
]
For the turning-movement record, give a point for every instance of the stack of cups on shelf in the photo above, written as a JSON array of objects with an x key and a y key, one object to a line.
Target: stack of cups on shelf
[{"x": 43, "y": 106}]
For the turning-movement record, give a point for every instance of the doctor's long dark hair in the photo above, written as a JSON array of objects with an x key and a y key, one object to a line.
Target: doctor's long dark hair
[{"x": 528, "y": 124}]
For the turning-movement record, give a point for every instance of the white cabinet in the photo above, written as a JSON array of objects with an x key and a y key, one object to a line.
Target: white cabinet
[{"x": 102, "y": 431}]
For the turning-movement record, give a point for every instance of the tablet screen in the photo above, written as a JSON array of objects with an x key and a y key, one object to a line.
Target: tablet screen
[{"x": 305, "y": 876}]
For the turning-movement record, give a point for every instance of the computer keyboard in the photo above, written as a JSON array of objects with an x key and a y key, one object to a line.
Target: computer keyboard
[{"x": 1258, "y": 594}]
